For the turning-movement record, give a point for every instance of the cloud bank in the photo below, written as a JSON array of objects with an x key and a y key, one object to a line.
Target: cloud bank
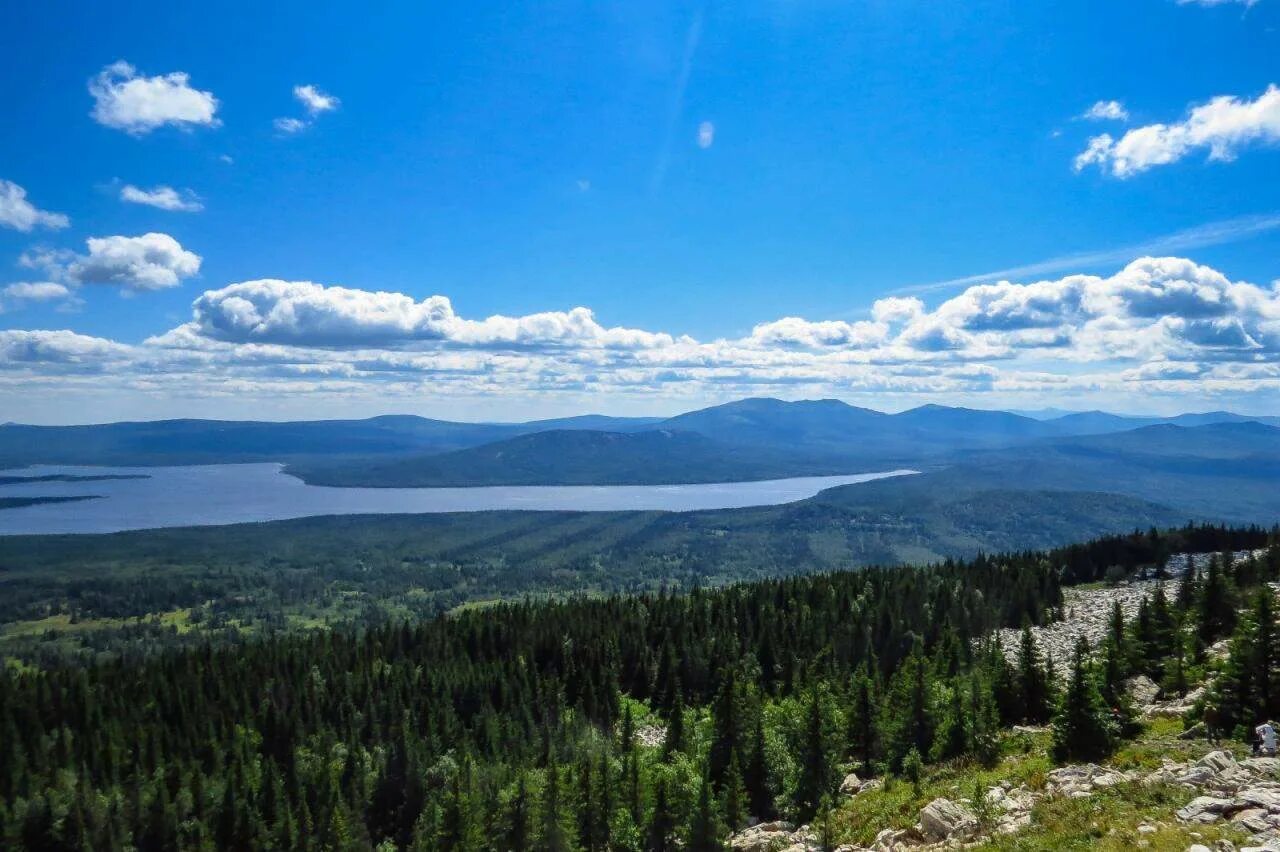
[{"x": 1159, "y": 325}]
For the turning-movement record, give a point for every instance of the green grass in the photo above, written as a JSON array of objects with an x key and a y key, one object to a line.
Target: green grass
[{"x": 1107, "y": 820}]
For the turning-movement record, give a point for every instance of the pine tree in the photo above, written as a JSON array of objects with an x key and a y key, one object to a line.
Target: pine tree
[
  {"x": 706, "y": 833},
  {"x": 1033, "y": 682},
  {"x": 816, "y": 771},
  {"x": 756, "y": 775},
  {"x": 728, "y": 733},
  {"x": 662, "y": 824},
  {"x": 860, "y": 721},
  {"x": 735, "y": 796},
  {"x": 953, "y": 731},
  {"x": 673, "y": 742},
  {"x": 1216, "y": 607},
  {"x": 552, "y": 836},
  {"x": 1082, "y": 729}
]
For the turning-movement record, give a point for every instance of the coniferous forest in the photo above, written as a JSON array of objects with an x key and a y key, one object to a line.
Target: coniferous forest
[{"x": 643, "y": 722}]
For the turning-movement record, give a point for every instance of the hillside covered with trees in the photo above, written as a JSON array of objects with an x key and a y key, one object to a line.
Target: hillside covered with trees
[{"x": 653, "y": 721}]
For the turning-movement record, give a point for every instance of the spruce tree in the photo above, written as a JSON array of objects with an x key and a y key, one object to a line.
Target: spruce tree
[
  {"x": 860, "y": 721},
  {"x": 706, "y": 833},
  {"x": 552, "y": 836},
  {"x": 816, "y": 771},
  {"x": 735, "y": 796},
  {"x": 1082, "y": 729},
  {"x": 1216, "y": 607},
  {"x": 662, "y": 824},
  {"x": 1033, "y": 682}
]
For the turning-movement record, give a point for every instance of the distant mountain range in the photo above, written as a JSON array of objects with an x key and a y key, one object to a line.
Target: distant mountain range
[
  {"x": 1217, "y": 464},
  {"x": 990, "y": 480}
]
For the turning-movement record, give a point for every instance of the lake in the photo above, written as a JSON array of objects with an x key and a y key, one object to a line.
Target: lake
[{"x": 238, "y": 493}]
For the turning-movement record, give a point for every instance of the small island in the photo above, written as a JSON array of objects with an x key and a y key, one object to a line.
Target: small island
[
  {"x": 22, "y": 502},
  {"x": 68, "y": 477}
]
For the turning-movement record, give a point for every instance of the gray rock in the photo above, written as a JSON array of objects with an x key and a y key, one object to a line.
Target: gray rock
[
  {"x": 943, "y": 819},
  {"x": 1268, "y": 800},
  {"x": 1218, "y": 762},
  {"x": 851, "y": 785},
  {"x": 765, "y": 837},
  {"x": 1204, "y": 809},
  {"x": 1142, "y": 689}
]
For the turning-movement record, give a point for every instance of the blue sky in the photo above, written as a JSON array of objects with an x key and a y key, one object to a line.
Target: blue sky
[{"x": 691, "y": 173}]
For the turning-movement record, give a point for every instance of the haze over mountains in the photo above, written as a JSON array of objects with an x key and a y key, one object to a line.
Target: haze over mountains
[
  {"x": 747, "y": 439},
  {"x": 1214, "y": 466}
]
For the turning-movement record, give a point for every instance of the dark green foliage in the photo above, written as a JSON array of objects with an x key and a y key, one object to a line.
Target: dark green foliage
[
  {"x": 1083, "y": 729},
  {"x": 518, "y": 726},
  {"x": 705, "y": 831}
]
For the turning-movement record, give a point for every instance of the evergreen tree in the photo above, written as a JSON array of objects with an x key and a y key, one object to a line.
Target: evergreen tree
[
  {"x": 1082, "y": 729},
  {"x": 674, "y": 740},
  {"x": 1216, "y": 608},
  {"x": 706, "y": 833},
  {"x": 662, "y": 824},
  {"x": 756, "y": 778},
  {"x": 728, "y": 733},
  {"x": 816, "y": 770},
  {"x": 735, "y": 796},
  {"x": 860, "y": 721},
  {"x": 552, "y": 836},
  {"x": 954, "y": 727},
  {"x": 1033, "y": 682}
]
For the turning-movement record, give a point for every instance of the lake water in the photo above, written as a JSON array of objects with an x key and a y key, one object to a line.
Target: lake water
[{"x": 237, "y": 493}]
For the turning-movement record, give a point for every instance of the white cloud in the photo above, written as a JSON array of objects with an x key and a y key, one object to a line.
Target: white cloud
[
  {"x": 35, "y": 291},
  {"x": 309, "y": 314},
  {"x": 137, "y": 105},
  {"x": 147, "y": 262},
  {"x": 163, "y": 197},
  {"x": 794, "y": 331},
  {"x": 20, "y": 214},
  {"x": 23, "y": 293},
  {"x": 1222, "y": 126},
  {"x": 290, "y": 125},
  {"x": 314, "y": 100},
  {"x": 56, "y": 348},
  {"x": 706, "y": 135},
  {"x": 1107, "y": 111},
  {"x": 1245, "y": 3},
  {"x": 1164, "y": 324}
]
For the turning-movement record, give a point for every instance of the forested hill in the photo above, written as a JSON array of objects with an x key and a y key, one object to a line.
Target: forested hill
[
  {"x": 649, "y": 722},
  {"x": 582, "y": 457}
]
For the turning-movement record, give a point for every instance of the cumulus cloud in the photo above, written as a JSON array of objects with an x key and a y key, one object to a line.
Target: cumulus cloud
[
  {"x": 1162, "y": 323},
  {"x": 35, "y": 291},
  {"x": 1221, "y": 126},
  {"x": 314, "y": 100},
  {"x": 794, "y": 331},
  {"x": 310, "y": 314},
  {"x": 1106, "y": 111},
  {"x": 127, "y": 101},
  {"x": 163, "y": 197},
  {"x": 20, "y": 214},
  {"x": 148, "y": 262},
  {"x": 56, "y": 348}
]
